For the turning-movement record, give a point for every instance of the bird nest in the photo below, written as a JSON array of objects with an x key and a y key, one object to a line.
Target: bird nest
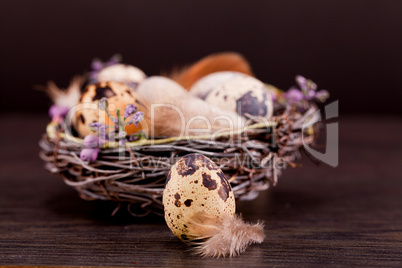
[{"x": 252, "y": 159}]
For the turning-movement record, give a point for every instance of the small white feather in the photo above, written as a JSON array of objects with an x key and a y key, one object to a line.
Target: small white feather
[
  {"x": 65, "y": 97},
  {"x": 228, "y": 236}
]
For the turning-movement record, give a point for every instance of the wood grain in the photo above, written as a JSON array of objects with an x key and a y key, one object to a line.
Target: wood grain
[{"x": 344, "y": 216}]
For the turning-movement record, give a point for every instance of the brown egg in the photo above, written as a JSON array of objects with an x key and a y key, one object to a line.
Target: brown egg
[
  {"x": 119, "y": 95},
  {"x": 244, "y": 95},
  {"x": 195, "y": 184}
]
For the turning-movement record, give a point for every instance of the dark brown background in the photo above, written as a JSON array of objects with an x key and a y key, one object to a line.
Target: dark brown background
[
  {"x": 316, "y": 216},
  {"x": 352, "y": 48}
]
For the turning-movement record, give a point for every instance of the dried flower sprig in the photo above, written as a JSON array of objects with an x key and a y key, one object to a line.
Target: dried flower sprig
[
  {"x": 97, "y": 65},
  {"x": 111, "y": 133},
  {"x": 307, "y": 92},
  {"x": 58, "y": 113}
]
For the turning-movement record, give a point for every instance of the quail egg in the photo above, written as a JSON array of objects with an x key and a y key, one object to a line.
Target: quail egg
[
  {"x": 207, "y": 83},
  {"x": 124, "y": 73},
  {"x": 119, "y": 95},
  {"x": 244, "y": 95},
  {"x": 195, "y": 184}
]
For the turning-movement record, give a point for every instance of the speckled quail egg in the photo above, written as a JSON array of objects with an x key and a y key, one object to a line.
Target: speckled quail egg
[
  {"x": 124, "y": 73},
  {"x": 244, "y": 95},
  {"x": 207, "y": 83},
  {"x": 119, "y": 95},
  {"x": 195, "y": 184}
]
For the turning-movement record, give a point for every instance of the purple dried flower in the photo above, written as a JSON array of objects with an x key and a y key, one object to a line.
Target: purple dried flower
[
  {"x": 103, "y": 132},
  {"x": 116, "y": 122},
  {"x": 122, "y": 142},
  {"x": 294, "y": 95},
  {"x": 311, "y": 85},
  {"x": 137, "y": 117},
  {"x": 133, "y": 138},
  {"x": 309, "y": 90},
  {"x": 302, "y": 82},
  {"x": 122, "y": 134},
  {"x": 306, "y": 85},
  {"x": 103, "y": 103},
  {"x": 101, "y": 129},
  {"x": 89, "y": 154},
  {"x": 95, "y": 126},
  {"x": 58, "y": 112},
  {"x": 130, "y": 109},
  {"x": 97, "y": 65},
  {"x": 322, "y": 95},
  {"x": 92, "y": 141},
  {"x": 309, "y": 95},
  {"x": 115, "y": 59}
]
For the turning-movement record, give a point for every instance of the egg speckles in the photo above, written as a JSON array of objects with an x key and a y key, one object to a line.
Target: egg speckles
[
  {"x": 244, "y": 95},
  {"x": 195, "y": 184},
  {"x": 118, "y": 94},
  {"x": 207, "y": 83}
]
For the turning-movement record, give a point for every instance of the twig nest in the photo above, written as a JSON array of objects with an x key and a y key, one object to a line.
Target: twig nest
[
  {"x": 124, "y": 73},
  {"x": 199, "y": 207}
]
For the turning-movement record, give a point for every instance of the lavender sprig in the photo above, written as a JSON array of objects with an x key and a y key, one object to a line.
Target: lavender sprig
[
  {"x": 111, "y": 133},
  {"x": 103, "y": 104},
  {"x": 97, "y": 65},
  {"x": 136, "y": 119},
  {"x": 58, "y": 113},
  {"x": 307, "y": 92},
  {"x": 130, "y": 109}
]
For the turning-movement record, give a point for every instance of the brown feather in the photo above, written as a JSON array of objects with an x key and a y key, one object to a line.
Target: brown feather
[
  {"x": 172, "y": 111},
  {"x": 228, "y": 236},
  {"x": 225, "y": 61}
]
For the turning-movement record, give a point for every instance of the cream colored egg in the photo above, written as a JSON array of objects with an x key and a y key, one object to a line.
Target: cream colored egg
[
  {"x": 209, "y": 82},
  {"x": 159, "y": 89},
  {"x": 119, "y": 95},
  {"x": 195, "y": 184},
  {"x": 122, "y": 73},
  {"x": 244, "y": 95}
]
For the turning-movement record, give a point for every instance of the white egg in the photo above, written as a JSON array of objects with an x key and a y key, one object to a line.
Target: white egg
[
  {"x": 128, "y": 74},
  {"x": 244, "y": 95},
  {"x": 209, "y": 82},
  {"x": 195, "y": 184}
]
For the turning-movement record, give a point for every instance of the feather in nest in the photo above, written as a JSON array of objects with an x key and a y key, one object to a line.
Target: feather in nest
[
  {"x": 225, "y": 61},
  {"x": 68, "y": 97},
  {"x": 169, "y": 109},
  {"x": 174, "y": 112}
]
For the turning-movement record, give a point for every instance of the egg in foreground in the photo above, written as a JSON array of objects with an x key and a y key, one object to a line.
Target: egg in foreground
[{"x": 194, "y": 185}]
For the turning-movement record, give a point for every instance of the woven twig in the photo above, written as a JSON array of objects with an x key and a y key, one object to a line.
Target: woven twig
[{"x": 136, "y": 174}]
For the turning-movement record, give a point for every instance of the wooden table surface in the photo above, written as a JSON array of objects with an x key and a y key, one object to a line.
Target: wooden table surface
[{"x": 315, "y": 216}]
